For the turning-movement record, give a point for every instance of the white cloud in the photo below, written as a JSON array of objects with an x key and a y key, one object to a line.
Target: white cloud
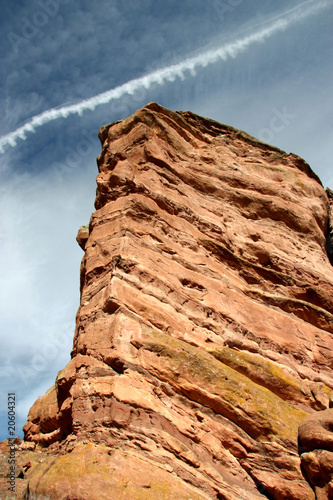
[{"x": 170, "y": 73}]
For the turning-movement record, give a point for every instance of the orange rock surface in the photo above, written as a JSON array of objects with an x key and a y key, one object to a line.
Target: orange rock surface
[{"x": 204, "y": 333}]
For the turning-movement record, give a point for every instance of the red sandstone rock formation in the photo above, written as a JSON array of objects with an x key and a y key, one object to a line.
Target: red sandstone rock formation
[
  {"x": 204, "y": 333},
  {"x": 316, "y": 446}
]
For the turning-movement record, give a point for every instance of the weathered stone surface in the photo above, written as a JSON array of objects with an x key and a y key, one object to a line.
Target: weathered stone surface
[
  {"x": 316, "y": 432},
  {"x": 204, "y": 333},
  {"x": 316, "y": 447},
  {"x": 82, "y": 236}
]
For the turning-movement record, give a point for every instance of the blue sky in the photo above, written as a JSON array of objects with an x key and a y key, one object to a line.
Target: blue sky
[{"x": 275, "y": 84}]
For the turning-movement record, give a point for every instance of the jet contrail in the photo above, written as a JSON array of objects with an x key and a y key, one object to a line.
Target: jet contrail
[{"x": 170, "y": 73}]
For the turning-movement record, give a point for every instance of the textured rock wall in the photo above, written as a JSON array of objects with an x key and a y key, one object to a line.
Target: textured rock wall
[{"x": 204, "y": 333}]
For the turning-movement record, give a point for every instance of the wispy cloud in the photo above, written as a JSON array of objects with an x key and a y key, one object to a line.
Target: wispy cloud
[{"x": 170, "y": 73}]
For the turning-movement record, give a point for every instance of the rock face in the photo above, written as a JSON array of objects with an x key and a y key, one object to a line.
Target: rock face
[
  {"x": 316, "y": 446},
  {"x": 204, "y": 334}
]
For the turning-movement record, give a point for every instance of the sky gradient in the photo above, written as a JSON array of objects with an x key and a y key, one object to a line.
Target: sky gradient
[{"x": 67, "y": 68}]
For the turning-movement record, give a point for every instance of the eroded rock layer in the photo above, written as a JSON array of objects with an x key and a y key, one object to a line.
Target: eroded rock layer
[{"x": 204, "y": 333}]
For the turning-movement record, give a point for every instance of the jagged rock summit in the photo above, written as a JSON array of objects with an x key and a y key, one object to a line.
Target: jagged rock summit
[{"x": 204, "y": 333}]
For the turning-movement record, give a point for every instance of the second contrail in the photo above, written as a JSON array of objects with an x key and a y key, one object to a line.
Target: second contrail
[{"x": 231, "y": 49}]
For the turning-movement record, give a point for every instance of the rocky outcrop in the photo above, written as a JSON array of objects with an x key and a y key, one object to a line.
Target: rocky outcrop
[
  {"x": 204, "y": 334},
  {"x": 316, "y": 447}
]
